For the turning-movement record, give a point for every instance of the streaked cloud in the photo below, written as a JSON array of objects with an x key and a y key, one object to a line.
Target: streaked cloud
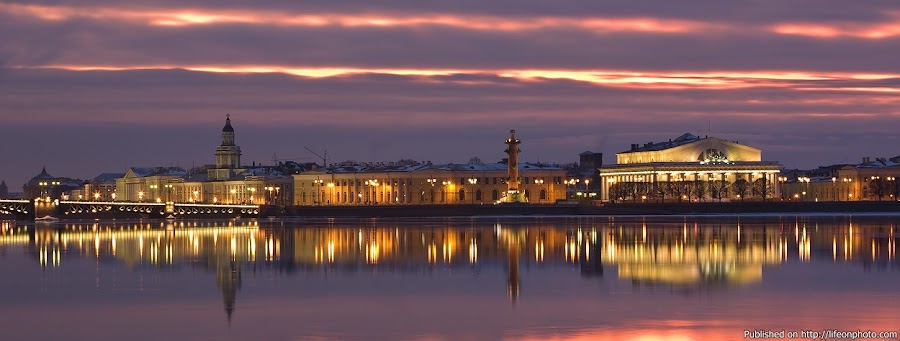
[{"x": 571, "y": 75}]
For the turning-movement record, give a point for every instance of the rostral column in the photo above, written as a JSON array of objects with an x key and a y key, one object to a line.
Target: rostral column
[{"x": 512, "y": 166}]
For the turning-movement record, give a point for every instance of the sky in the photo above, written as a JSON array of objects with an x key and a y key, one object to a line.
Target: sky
[{"x": 93, "y": 86}]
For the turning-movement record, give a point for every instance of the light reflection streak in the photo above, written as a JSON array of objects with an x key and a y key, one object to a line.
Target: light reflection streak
[{"x": 640, "y": 252}]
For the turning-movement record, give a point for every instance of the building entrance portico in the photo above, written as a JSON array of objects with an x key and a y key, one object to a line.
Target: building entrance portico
[{"x": 697, "y": 169}]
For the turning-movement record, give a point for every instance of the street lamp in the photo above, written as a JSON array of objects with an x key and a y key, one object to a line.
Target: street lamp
[
  {"x": 805, "y": 179},
  {"x": 890, "y": 180},
  {"x": 446, "y": 190},
  {"x": 472, "y": 182},
  {"x": 233, "y": 196},
  {"x": 431, "y": 181},
  {"x": 847, "y": 185},
  {"x": 154, "y": 189},
  {"x": 540, "y": 183},
  {"x": 269, "y": 190},
  {"x": 317, "y": 187},
  {"x": 833, "y": 188},
  {"x": 331, "y": 196},
  {"x": 168, "y": 192},
  {"x": 252, "y": 193},
  {"x": 782, "y": 180},
  {"x": 373, "y": 184}
]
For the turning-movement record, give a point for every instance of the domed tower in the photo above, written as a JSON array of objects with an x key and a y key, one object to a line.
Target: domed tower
[{"x": 228, "y": 155}]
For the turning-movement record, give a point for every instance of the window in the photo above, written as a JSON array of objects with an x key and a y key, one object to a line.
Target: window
[
  {"x": 527, "y": 194},
  {"x": 543, "y": 194},
  {"x": 478, "y": 195},
  {"x": 462, "y": 195},
  {"x": 494, "y": 195},
  {"x": 303, "y": 197},
  {"x": 713, "y": 155}
]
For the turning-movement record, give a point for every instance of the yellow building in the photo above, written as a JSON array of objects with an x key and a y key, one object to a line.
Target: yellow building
[
  {"x": 412, "y": 183},
  {"x": 870, "y": 180},
  {"x": 689, "y": 168},
  {"x": 227, "y": 182}
]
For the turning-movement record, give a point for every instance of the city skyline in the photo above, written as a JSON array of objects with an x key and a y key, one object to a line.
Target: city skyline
[{"x": 91, "y": 87}]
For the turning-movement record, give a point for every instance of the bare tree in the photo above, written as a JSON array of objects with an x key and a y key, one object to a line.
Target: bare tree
[
  {"x": 660, "y": 190},
  {"x": 878, "y": 188},
  {"x": 894, "y": 188},
  {"x": 741, "y": 186},
  {"x": 719, "y": 188},
  {"x": 762, "y": 188},
  {"x": 699, "y": 189},
  {"x": 678, "y": 189}
]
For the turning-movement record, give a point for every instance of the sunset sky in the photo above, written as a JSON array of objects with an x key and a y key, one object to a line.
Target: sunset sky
[{"x": 96, "y": 86}]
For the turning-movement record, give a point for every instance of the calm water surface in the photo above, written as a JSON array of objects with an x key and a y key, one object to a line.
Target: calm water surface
[{"x": 449, "y": 279}]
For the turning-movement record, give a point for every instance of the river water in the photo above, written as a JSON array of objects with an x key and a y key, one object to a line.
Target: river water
[{"x": 576, "y": 278}]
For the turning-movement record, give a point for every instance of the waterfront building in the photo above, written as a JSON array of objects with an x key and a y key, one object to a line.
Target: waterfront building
[
  {"x": 583, "y": 179},
  {"x": 148, "y": 184},
  {"x": 45, "y": 185},
  {"x": 869, "y": 180},
  {"x": 689, "y": 168},
  {"x": 409, "y": 182},
  {"x": 226, "y": 182}
]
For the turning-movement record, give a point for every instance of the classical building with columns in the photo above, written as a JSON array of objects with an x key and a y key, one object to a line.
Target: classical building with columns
[
  {"x": 689, "y": 168},
  {"x": 410, "y": 182}
]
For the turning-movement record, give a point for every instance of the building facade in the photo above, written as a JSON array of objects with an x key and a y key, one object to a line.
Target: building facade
[
  {"x": 413, "y": 183},
  {"x": 870, "y": 180},
  {"x": 689, "y": 168}
]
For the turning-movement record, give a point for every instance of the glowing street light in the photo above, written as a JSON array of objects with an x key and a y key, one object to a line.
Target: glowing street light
[{"x": 472, "y": 182}]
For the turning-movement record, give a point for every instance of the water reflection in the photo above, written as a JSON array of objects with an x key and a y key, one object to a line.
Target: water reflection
[{"x": 689, "y": 255}]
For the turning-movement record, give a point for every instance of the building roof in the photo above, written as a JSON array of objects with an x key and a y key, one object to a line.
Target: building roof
[
  {"x": 412, "y": 166},
  {"x": 651, "y": 146},
  {"x": 877, "y": 163},
  {"x": 227, "y": 128},
  {"x": 108, "y": 177},
  {"x": 43, "y": 175},
  {"x": 158, "y": 171}
]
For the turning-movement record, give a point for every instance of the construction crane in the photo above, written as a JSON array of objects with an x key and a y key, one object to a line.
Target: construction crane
[{"x": 324, "y": 156}]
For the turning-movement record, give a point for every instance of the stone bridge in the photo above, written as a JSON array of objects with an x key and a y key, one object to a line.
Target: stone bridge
[{"x": 61, "y": 209}]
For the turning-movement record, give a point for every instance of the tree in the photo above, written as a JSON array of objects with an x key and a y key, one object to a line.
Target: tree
[
  {"x": 660, "y": 190},
  {"x": 894, "y": 188},
  {"x": 762, "y": 188},
  {"x": 719, "y": 188},
  {"x": 617, "y": 191},
  {"x": 678, "y": 189},
  {"x": 878, "y": 187},
  {"x": 698, "y": 189},
  {"x": 740, "y": 186}
]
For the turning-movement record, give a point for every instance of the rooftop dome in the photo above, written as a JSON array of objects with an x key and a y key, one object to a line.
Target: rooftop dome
[{"x": 228, "y": 128}]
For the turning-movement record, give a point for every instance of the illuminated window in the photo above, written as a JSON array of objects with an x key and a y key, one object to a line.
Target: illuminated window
[{"x": 713, "y": 155}]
